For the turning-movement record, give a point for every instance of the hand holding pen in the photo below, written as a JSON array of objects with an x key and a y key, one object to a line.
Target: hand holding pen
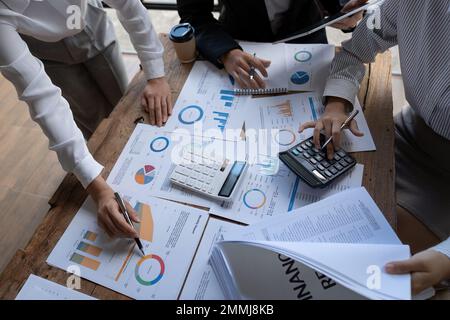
[
  {"x": 331, "y": 123},
  {"x": 343, "y": 126},
  {"x": 126, "y": 215},
  {"x": 245, "y": 68}
]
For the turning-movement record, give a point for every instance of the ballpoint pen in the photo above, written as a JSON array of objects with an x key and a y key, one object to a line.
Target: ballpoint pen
[
  {"x": 124, "y": 211},
  {"x": 346, "y": 123},
  {"x": 252, "y": 69}
]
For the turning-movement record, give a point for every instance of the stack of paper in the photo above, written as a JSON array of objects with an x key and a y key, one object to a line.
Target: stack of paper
[{"x": 314, "y": 253}]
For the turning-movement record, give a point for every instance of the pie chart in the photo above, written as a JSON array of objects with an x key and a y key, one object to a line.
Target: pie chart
[
  {"x": 303, "y": 56},
  {"x": 300, "y": 78},
  {"x": 145, "y": 175}
]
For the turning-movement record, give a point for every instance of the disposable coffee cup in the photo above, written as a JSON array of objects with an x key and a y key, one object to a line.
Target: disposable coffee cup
[{"x": 183, "y": 39}]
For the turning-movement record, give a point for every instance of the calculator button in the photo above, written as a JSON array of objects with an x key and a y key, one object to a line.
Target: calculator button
[
  {"x": 306, "y": 155},
  {"x": 333, "y": 170},
  {"x": 306, "y": 164},
  {"x": 319, "y": 175},
  {"x": 338, "y": 166},
  {"x": 343, "y": 163},
  {"x": 349, "y": 160},
  {"x": 325, "y": 163},
  {"x": 328, "y": 173},
  {"x": 318, "y": 158},
  {"x": 189, "y": 183},
  {"x": 295, "y": 152},
  {"x": 321, "y": 167},
  {"x": 305, "y": 147},
  {"x": 309, "y": 144},
  {"x": 183, "y": 171},
  {"x": 311, "y": 152},
  {"x": 313, "y": 161},
  {"x": 336, "y": 157},
  {"x": 341, "y": 153},
  {"x": 197, "y": 185}
]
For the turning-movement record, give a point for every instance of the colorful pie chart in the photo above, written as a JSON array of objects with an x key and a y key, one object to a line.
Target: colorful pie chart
[
  {"x": 285, "y": 137},
  {"x": 145, "y": 175},
  {"x": 254, "y": 199},
  {"x": 149, "y": 270},
  {"x": 300, "y": 78}
]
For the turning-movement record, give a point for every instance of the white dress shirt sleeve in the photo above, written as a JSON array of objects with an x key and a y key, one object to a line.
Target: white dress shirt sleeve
[
  {"x": 134, "y": 18},
  {"x": 443, "y": 247},
  {"x": 348, "y": 68},
  {"x": 46, "y": 105}
]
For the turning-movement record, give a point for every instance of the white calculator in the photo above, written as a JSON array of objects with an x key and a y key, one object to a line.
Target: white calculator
[{"x": 216, "y": 178}]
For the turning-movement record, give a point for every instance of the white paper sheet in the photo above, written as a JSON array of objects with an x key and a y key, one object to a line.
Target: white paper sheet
[
  {"x": 351, "y": 265},
  {"x": 347, "y": 217},
  {"x": 274, "y": 53},
  {"x": 206, "y": 103},
  {"x": 263, "y": 194},
  {"x": 286, "y": 113},
  {"x": 297, "y": 67},
  {"x": 308, "y": 66},
  {"x": 169, "y": 233},
  {"x": 201, "y": 283},
  {"x": 37, "y": 288}
]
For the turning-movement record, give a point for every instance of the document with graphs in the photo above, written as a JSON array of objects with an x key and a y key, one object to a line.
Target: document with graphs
[
  {"x": 37, "y": 288},
  {"x": 296, "y": 67},
  {"x": 169, "y": 232},
  {"x": 333, "y": 249}
]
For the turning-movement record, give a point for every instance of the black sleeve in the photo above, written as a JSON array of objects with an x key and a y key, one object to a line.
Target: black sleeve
[{"x": 212, "y": 40}]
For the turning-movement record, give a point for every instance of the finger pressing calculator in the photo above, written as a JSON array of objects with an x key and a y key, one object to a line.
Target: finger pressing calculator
[
  {"x": 313, "y": 166},
  {"x": 212, "y": 177}
]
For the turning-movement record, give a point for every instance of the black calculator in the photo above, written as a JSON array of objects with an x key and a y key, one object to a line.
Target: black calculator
[{"x": 313, "y": 166}]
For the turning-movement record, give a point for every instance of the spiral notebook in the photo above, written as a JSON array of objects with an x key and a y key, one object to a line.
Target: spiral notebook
[
  {"x": 294, "y": 67},
  {"x": 249, "y": 92}
]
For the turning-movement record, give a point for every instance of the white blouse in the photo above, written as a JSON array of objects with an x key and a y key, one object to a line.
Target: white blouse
[{"x": 47, "y": 20}]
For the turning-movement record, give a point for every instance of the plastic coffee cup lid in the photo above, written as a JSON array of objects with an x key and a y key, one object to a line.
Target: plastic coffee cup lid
[{"x": 181, "y": 32}]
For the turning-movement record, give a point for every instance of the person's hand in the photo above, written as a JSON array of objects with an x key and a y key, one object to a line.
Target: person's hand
[
  {"x": 238, "y": 63},
  {"x": 427, "y": 268},
  {"x": 109, "y": 216},
  {"x": 352, "y": 21},
  {"x": 157, "y": 101},
  {"x": 331, "y": 122}
]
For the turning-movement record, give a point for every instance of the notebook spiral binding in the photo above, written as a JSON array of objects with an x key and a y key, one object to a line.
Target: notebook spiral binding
[{"x": 248, "y": 92}]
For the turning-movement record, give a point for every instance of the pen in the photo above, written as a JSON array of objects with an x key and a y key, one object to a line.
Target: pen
[
  {"x": 252, "y": 69},
  {"x": 124, "y": 211},
  {"x": 346, "y": 123}
]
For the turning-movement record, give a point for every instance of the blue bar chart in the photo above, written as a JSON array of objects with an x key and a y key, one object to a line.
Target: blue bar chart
[
  {"x": 227, "y": 97},
  {"x": 221, "y": 118}
]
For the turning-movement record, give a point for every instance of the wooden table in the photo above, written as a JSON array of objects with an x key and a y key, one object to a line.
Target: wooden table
[{"x": 111, "y": 136}]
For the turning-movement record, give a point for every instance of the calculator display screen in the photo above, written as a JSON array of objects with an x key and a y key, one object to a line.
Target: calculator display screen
[{"x": 232, "y": 179}]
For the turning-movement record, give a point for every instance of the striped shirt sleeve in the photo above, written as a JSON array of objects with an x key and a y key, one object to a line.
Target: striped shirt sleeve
[{"x": 366, "y": 43}]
